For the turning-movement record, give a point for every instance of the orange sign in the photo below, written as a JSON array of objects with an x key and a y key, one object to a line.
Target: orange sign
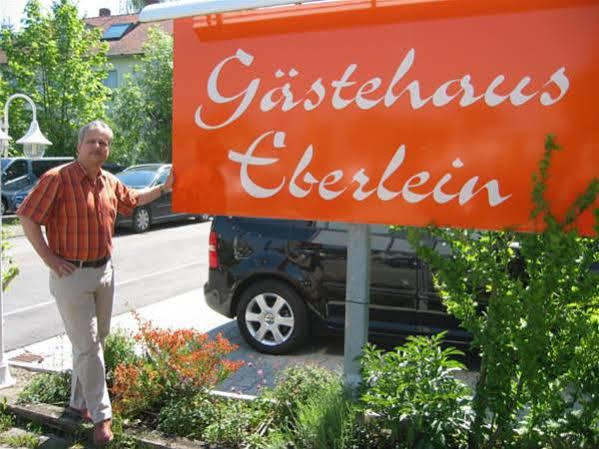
[{"x": 397, "y": 112}]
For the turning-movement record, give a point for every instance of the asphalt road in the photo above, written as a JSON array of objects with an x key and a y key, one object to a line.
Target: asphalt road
[{"x": 166, "y": 261}]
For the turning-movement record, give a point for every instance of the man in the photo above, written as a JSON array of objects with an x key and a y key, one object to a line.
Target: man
[{"x": 78, "y": 203}]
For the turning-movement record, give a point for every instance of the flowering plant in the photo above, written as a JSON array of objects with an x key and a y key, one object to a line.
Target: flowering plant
[{"x": 176, "y": 363}]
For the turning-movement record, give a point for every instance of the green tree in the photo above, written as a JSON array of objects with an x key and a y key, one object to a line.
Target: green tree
[
  {"x": 60, "y": 63},
  {"x": 531, "y": 301},
  {"x": 134, "y": 6},
  {"x": 3, "y": 97},
  {"x": 142, "y": 108}
]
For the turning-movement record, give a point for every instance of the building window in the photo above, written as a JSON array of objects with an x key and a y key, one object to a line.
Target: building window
[
  {"x": 115, "y": 32},
  {"x": 112, "y": 80}
]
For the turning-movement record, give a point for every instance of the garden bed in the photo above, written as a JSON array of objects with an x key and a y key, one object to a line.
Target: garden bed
[{"x": 162, "y": 381}]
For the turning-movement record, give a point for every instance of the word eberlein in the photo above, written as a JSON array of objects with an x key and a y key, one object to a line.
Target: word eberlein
[
  {"x": 326, "y": 185},
  {"x": 369, "y": 95}
]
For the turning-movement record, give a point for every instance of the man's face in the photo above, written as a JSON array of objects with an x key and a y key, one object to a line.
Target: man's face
[{"x": 95, "y": 147}]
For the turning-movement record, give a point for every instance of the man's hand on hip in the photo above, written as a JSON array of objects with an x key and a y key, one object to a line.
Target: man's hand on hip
[{"x": 60, "y": 266}]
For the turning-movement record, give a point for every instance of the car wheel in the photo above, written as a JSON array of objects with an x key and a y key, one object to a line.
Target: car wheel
[
  {"x": 141, "y": 219},
  {"x": 272, "y": 317}
]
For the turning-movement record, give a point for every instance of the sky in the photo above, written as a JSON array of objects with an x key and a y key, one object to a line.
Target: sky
[{"x": 11, "y": 10}]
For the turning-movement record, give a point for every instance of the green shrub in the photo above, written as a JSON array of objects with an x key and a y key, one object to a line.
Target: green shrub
[
  {"x": 236, "y": 422},
  {"x": 413, "y": 392},
  {"x": 47, "y": 388},
  {"x": 212, "y": 419},
  {"x": 187, "y": 417},
  {"x": 538, "y": 336},
  {"x": 326, "y": 420},
  {"x": 119, "y": 347},
  {"x": 294, "y": 386}
]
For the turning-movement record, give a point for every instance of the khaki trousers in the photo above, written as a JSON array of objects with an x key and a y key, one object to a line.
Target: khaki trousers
[{"x": 84, "y": 300}]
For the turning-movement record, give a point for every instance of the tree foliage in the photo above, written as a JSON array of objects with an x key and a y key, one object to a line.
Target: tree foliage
[
  {"x": 142, "y": 108},
  {"x": 531, "y": 302},
  {"x": 134, "y": 6},
  {"x": 60, "y": 63}
]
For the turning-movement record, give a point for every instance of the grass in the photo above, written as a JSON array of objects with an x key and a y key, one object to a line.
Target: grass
[
  {"x": 27, "y": 440},
  {"x": 7, "y": 419}
]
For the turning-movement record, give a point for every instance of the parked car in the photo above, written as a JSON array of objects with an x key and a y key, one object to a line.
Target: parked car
[
  {"x": 283, "y": 278},
  {"x": 113, "y": 167},
  {"x": 20, "y": 174},
  {"x": 158, "y": 211}
]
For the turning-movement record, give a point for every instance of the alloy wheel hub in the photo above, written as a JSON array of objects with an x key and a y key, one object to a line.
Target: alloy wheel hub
[{"x": 269, "y": 318}]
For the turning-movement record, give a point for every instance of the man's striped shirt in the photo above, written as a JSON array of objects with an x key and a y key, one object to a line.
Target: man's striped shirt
[{"x": 78, "y": 212}]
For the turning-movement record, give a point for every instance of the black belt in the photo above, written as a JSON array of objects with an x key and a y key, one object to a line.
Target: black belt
[{"x": 90, "y": 263}]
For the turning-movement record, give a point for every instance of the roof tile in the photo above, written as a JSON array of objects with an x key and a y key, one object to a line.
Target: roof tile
[{"x": 132, "y": 42}]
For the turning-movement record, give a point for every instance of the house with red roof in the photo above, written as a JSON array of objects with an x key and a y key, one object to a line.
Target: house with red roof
[{"x": 126, "y": 36}]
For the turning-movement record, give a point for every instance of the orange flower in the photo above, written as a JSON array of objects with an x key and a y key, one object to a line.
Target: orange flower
[{"x": 177, "y": 360}]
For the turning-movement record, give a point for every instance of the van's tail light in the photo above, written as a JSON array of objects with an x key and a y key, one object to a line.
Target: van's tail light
[{"x": 213, "y": 250}]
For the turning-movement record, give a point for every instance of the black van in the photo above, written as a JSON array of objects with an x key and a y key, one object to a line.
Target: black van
[{"x": 279, "y": 277}]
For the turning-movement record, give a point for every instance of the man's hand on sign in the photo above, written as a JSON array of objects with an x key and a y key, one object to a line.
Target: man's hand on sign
[{"x": 170, "y": 179}]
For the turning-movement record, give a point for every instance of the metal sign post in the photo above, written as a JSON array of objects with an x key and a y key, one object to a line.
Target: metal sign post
[{"x": 357, "y": 300}]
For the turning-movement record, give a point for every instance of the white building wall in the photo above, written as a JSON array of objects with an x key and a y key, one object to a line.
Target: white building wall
[{"x": 122, "y": 65}]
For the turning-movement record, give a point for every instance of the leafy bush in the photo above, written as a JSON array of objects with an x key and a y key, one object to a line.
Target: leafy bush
[
  {"x": 326, "y": 420},
  {"x": 293, "y": 387},
  {"x": 119, "y": 348},
  {"x": 213, "y": 420},
  {"x": 538, "y": 330},
  {"x": 236, "y": 422},
  {"x": 413, "y": 392},
  {"x": 187, "y": 417},
  {"x": 177, "y": 364},
  {"x": 47, "y": 388}
]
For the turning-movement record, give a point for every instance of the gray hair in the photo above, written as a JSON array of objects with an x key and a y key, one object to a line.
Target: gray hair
[{"x": 96, "y": 124}]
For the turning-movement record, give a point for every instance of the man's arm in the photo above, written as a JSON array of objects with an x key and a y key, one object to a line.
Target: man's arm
[
  {"x": 146, "y": 196},
  {"x": 33, "y": 232}
]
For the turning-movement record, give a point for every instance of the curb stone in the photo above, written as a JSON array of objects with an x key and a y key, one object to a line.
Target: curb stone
[
  {"x": 46, "y": 441},
  {"x": 58, "y": 418}
]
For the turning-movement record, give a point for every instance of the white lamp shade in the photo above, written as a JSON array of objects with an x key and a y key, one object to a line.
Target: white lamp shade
[
  {"x": 34, "y": 142},
  {"x": 34, "y": 150}
]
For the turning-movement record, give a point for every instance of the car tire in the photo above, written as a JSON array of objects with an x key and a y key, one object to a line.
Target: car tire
[
  {"x": 272, "y": 317},
  {"x": 3, "y": 207},
  {"x": 141, "y": 219}
]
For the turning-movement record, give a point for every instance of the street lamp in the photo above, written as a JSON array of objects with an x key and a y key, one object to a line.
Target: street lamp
[{"x": 34, "y": 145}]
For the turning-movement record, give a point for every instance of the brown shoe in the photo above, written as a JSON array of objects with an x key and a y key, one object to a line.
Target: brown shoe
[{"x": 103, "y": 433}]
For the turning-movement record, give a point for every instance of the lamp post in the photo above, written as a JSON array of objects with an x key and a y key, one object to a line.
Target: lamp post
[{"x": 34, "y": 145}]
